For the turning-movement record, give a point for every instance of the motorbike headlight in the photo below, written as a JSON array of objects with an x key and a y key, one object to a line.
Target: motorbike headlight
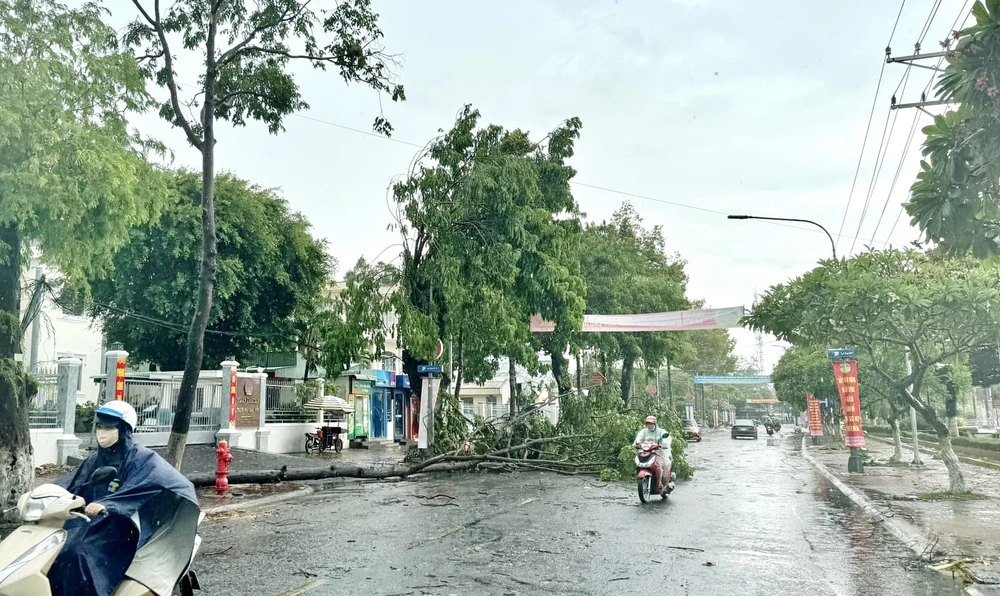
[
  {"x": 34, "y": 506},
  {"x": 54, "y": 540}
]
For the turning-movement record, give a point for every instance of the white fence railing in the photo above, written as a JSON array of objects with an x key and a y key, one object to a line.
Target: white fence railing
[
  {"x": 43, "y": 409},
  {"x": 283, "y": 403},
  {"x": 155, "y": 401}
]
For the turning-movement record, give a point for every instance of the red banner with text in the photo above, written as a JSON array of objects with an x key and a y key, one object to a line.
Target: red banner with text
[
  {"x": 815, "y": 416},
  {"x": 845, "y": 372},
  {"x": 120, "y": 379},
  {"x": 232, "y": 396}
]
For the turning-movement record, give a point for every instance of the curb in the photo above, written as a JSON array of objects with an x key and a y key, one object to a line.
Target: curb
[
  {"x": 301, "y": 492},
  {"x": 905, "y": 532}
]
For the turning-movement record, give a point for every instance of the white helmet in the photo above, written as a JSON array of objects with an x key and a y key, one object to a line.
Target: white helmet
[{"x": 120, "y": 410}]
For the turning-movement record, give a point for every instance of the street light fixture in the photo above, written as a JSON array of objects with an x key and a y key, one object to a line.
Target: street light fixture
[{"x": 833, "y": 245}]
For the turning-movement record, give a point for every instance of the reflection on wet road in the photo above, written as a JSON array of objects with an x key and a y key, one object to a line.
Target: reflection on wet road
[{"x": 756, "y": 520}]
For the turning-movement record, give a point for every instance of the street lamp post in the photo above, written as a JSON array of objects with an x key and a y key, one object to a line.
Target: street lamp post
[
  {"x": 833, "y": 245},
  {"x": 854, "y": 462}
]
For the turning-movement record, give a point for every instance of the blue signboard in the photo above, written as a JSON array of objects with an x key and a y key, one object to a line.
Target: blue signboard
[
  {"x": 840, "y": 353},
  {"x": 402, "y": 381},
  {"x": 728, "y": 380},
  {"x": 383, "y": 378},
  {"x": 429, "y": 369}
]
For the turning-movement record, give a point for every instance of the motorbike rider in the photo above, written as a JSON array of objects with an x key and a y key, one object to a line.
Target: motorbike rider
[
  {"x": 124, "y": 512},
  {"x": 652, "y": 432}
]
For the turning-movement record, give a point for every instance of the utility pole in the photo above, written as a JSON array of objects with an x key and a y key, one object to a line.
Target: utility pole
[
  {"x": 912, "y": 60},
  {"x": 913, "y": 418}
]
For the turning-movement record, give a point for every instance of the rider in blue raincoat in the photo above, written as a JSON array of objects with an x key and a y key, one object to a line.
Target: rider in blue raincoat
[{"x": 124, "y": 512}]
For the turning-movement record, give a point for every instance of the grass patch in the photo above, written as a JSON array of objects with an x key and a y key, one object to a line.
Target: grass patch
[{"x": 946, "y": 496}]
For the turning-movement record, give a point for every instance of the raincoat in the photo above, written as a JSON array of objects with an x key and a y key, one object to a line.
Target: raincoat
[
  {"x": 97, "y": 554},
  {"x": 663, "y": 454}
]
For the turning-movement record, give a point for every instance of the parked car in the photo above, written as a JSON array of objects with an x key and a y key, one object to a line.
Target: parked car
[
  {"x": 744, "y": 428},
  {"x": 691, "y": 431}
]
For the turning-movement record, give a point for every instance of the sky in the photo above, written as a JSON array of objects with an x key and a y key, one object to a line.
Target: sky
[{"x": 691, "y": 110}]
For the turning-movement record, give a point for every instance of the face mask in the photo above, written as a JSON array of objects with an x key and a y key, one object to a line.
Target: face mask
[{"x": 106, "y": 437}]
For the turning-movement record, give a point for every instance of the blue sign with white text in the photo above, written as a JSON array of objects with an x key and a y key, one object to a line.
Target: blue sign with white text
[
  {"x": 840, "y": 354},
  {"x": 732, "y": 380},
  {"x": 429, "y": 369}
]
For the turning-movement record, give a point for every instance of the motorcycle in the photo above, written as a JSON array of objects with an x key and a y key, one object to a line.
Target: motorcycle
[
  {"x": 161, "y": 567},
  {"x": 650, "y": 478},
  {"x": 777, "y": 426},
  {"x": 769, "y": 429}
]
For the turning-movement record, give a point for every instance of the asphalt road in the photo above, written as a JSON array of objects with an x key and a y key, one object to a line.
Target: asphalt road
[{"x": 755, "y": 520}]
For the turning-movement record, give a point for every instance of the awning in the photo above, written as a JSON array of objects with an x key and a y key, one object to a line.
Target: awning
[{"x": 329, "y": 403}]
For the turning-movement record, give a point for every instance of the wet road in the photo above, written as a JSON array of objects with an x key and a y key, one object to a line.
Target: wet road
[{"x": 756, "y": 520}]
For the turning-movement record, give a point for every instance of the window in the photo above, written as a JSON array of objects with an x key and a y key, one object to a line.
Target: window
[{"x": 468, "y": 410}]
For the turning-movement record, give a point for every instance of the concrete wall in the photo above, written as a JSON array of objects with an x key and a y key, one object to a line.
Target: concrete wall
[
  {"x": 291, "y": 437},
  {"x": 43, "y": 442}
]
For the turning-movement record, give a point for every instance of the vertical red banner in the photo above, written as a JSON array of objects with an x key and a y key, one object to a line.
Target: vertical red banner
[
  {"x": 232, "y": 396},
  {"x": 120, "y": 379},
  {"x": 845, "y": 372},
  {"x": 815, "y": 416}
]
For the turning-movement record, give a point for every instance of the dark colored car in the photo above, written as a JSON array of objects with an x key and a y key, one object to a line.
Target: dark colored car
[
  {"x": 691, "y": 431},
  {"x": 744, "y": 428}
]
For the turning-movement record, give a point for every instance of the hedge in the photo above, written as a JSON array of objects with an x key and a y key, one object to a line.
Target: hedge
[{"x": 969, "y": 442}]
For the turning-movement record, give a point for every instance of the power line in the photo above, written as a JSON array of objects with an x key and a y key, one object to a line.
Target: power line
[
  {"x": 963, "y": 11},
  {"x": 586, "y": 185},
  {"x": 868, "y": 127}
]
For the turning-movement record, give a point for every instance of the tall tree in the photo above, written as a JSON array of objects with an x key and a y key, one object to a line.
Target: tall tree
[
  {"x": 247, "y": 50},
  {"x": 891, "y": 301},
  {"x": 627, "y": 270},
  {"x": 73, "y": 178},
  {"x": 271, "y": 270},
  {"x": 485, "y": 218},
  {"x": 955, "y": 200}
]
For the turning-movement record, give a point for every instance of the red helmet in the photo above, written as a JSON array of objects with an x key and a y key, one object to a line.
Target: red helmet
[{"x": 650, "y": 419}]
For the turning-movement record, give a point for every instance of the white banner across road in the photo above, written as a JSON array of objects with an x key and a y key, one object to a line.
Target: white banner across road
[{"x": 681, "y": 320}]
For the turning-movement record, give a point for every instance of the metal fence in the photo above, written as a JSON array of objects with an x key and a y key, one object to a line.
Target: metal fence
[
  {"x": 43, "y": 409},
  {"x": 284, "y": 401},
  {"x": 155, "y": 401}
]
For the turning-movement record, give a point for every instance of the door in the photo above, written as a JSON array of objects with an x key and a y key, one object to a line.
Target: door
[
  {"x": 398, "y": 427},
  {"x": 378, "y": 414}
]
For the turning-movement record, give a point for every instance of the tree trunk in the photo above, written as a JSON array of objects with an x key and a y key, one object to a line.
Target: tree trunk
[
  {"x": 897, "y": 441},
  {"x": 512, "y": 383},
  {"x": 16, "y": 466},
  {"x": 209, "y": 265},
  {"x": 579, "y": 374},
  {"x": 627, "y": 366},
  {"x": 559, "y": 372},
  {"x": 956, "y": 480}
]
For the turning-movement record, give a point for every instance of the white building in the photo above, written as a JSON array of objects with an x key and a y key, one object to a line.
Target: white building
[{"x": 56, "y": 333}]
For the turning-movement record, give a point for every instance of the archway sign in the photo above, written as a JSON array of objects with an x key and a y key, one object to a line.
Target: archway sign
[{"x": 680, "y": 320}]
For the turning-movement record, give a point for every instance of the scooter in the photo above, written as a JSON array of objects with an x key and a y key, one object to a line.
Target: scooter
[
  {"x": 650, "y": 478},
  {"x": 162, "y": 567}
]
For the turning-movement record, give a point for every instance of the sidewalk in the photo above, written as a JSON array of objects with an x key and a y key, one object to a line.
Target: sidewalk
[{"x": 960, "y": 528}]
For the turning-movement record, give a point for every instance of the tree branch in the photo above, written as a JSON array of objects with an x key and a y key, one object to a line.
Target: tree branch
[
  {"x": 175, "y": 103},
  {"x": 239, "y": 48}
]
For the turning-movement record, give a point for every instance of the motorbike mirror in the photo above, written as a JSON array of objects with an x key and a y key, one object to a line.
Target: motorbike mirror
[
  {"x": 103, "y": 474},
  {"x": 665, "y": 435}
]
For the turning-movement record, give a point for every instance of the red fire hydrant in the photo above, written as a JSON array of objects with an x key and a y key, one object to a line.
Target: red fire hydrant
[{"x": 222, "y": 474}]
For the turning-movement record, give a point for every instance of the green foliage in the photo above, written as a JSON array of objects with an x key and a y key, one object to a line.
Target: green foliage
[
  {"x": 85, "y": 417},
  {"x": 73, "y": 178},
  {"x": 270, "y": 270},
  {"x": 627, "y": 270},
  {"x": 251, "y": 47},
  {"x": 602, "y": 415},
  {"x": 487, "y": 224},
  {"x": 884, "y": 303},
  {"x": 954, "y": 200}
]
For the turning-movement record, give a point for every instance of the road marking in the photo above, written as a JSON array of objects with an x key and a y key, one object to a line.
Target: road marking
[{"x": 304, "y": 588}]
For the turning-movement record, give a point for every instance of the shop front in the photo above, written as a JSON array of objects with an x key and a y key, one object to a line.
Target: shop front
[
  {"x": 400, "y": 408},
  {"x": 358, "y": 428},
  {"x": 382, "y": 402}
]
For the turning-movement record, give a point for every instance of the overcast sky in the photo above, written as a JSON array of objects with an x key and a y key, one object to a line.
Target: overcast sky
[{"x": 725, "y": 107}]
